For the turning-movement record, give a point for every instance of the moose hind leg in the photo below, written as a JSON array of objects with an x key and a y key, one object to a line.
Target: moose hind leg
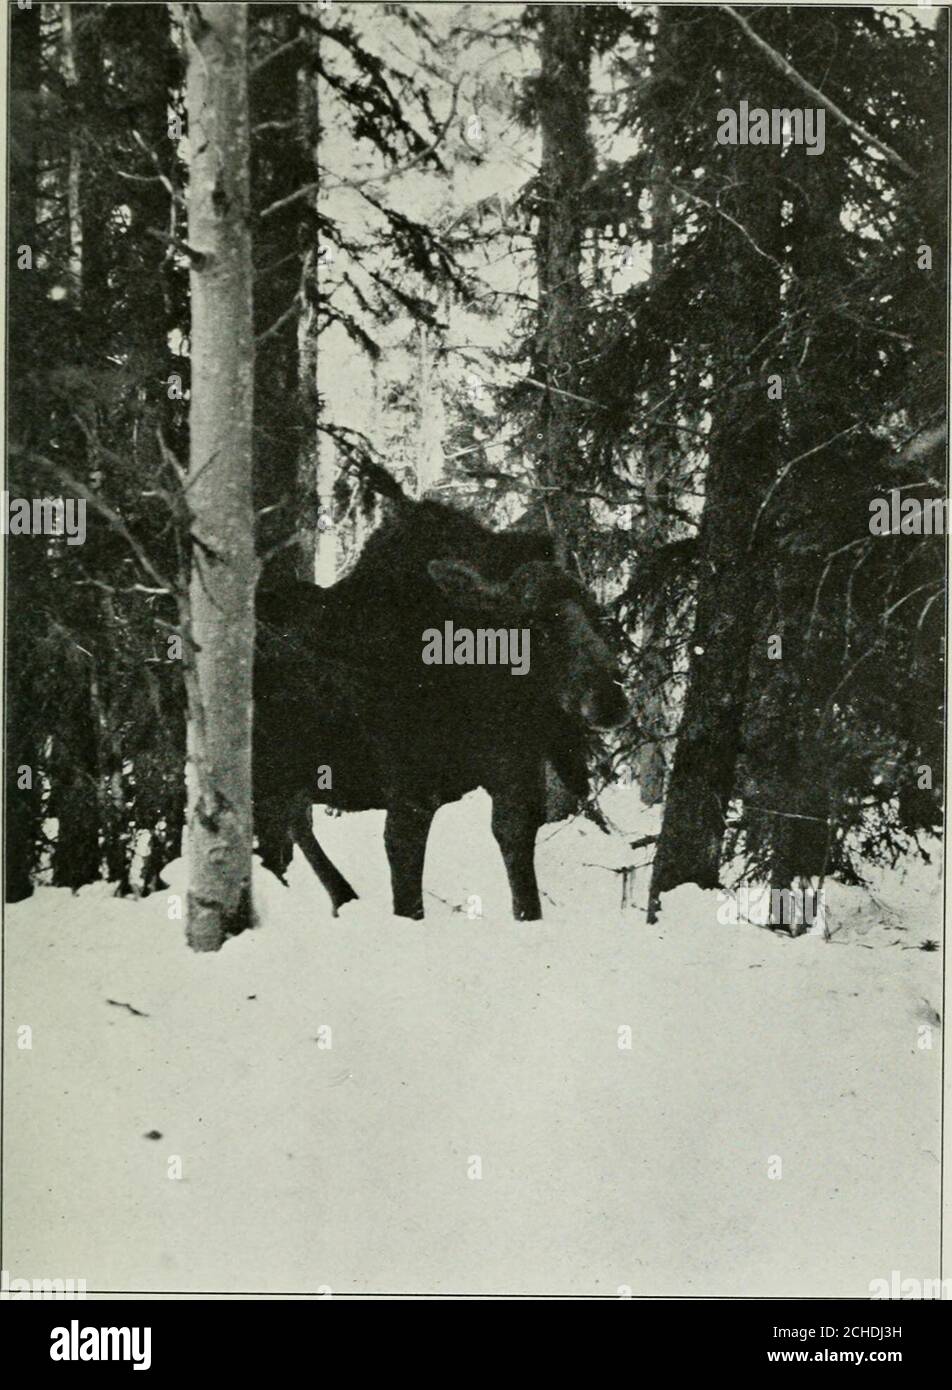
[
  {"x": 515, "y": 827},
  {"x": 405, "y": 835},
  {"x": 338, "y": 889},
  {"x": 272, "y": 823}
]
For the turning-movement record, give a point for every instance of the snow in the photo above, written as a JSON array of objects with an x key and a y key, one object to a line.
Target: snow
[{"x": 603, "y": 1168}]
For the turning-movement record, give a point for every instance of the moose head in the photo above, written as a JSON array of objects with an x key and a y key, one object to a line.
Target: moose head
[{"x": 569, "y": 654}]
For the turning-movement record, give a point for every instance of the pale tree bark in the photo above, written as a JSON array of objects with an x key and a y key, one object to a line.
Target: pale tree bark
[
  {"x": 73, "y": 209},
  {"x": 325, "y": 543},
  {"x": 431, "y": 458},
  {"x": 431, "y": 423},
  {"x": 321, "y": 461},
  {"x": 221, "y": 593},
  {"x": 324, "y": 465},
  {"x": 659, "y": 451}
]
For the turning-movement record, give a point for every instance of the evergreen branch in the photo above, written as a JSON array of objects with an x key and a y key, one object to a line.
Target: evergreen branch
[
  {"x": 716, "y": 207},
  {"x": 860, "y": 132},
  {"x": 113, "y": 517},
  {"x": 355, "y": 185}
]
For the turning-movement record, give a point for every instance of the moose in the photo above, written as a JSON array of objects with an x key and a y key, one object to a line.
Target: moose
[{"x": 340, "y": 685}]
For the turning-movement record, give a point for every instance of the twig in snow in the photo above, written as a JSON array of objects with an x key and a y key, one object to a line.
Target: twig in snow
[{"x": 121, "y": 1004}]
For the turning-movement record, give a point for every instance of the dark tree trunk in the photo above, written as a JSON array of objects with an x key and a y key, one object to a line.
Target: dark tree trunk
[
  {"x": 797, "y": 796},
  {"x": 660, "y": 449},
  {"x": 285, "y": 409},
  {"x": 147, "y": 67},
  {"x": 743, "y": 457},
  {"x": 22, "y": 804},
  {"x": 74, "y": 799},
  {"x": 77, "y": 797},
  {"x": 95, "y": 202},
  {"x": 566, "y": 169}
]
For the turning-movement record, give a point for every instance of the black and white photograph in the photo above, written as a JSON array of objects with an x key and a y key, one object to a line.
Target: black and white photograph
[{"x": 474, "y": 519}]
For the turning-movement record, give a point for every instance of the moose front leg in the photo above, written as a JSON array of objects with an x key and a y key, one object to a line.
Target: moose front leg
[
  {"x": 515, "y": 826},
  {"x": 405, "y": 835}
]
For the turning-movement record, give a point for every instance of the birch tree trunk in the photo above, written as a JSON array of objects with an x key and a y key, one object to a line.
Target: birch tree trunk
[
  {"x": 221, "y": 593},
  {"x": 325, "y": 546},
  {"x": 319, "y": 466},
  {"x": 432, "y": 419}
]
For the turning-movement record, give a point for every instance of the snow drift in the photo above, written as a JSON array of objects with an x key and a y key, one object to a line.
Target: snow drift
[{"x": 468, "y": 1104}]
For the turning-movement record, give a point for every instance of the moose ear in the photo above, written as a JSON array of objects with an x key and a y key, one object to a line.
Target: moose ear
[
  {"x": 460, "y": 581},
  {"x": 530, "y": 584}
]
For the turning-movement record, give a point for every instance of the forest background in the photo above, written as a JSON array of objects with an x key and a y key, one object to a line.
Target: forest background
[{"x": 498, "y": 249}]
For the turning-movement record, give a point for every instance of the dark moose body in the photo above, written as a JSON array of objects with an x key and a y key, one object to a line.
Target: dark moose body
[{"x": 340, "y": 683}]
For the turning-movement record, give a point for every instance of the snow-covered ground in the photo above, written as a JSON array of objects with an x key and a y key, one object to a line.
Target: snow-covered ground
[{"x": 772, "y": 1129}]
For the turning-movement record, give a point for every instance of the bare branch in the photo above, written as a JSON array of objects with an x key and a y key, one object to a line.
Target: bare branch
[
  {"x": 160, "y": 174},
  {"x": 542, "y": 386},
  {"x": 303, "y": 192},
  {"x": 787, "y": 467},
  {"x": 716, "y": 207},
  {"x": 198, "y": 258},
  {"x": 355, "y": 185},
  {"x": 276, "y": 53},
  {"x": 788, "y": 70},
  {"x": 923, "y": 442},
  {"x": 290, "y": 313}
]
